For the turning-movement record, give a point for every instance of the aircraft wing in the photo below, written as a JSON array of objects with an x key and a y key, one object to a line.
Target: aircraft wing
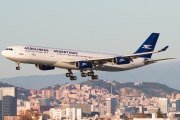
[{"x": 108, "y": 59}]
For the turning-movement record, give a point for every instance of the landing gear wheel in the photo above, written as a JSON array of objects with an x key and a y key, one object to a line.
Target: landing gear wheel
[
  {"x": 95, "y": 77},
  {"x": 73, "y": 78},
  {"x": 67, "y": 75},
  {"x": 83, "y": 74},
  {"x": 92, "y": 73},
  {"x": 89, "y": 73},
  {"x": 70, "y": 74},
  {"x": 18, "y": 68}
]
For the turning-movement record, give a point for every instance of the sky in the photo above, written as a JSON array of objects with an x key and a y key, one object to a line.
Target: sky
[{"x": 108, "y": 26}]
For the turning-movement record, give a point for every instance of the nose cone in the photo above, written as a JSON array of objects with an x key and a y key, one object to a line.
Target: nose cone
[{"x": 4, "y": 53}]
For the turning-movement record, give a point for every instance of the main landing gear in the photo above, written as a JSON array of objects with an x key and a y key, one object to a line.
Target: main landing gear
[
  {"x": 83, "y": 74},
  {"x": 70, "y": 74},
  {"x": 17, "y": 66},
  {"x": 91, "y": 73}
]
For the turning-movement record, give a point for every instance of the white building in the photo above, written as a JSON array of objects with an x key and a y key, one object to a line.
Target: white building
[
  {"x": 68, "y": 113},
  {"x": 92, "y": 108},
  {"x": 57, "y": 114},
  {"x": 9, "y": 91},
  {"x": 79, "y": 114},
  {"x": 163, "y": 104},
  {"x": 111, "y": 106}
]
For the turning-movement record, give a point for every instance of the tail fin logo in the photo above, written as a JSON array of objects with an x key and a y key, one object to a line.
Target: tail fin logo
[{"x": 147, "y": 47}]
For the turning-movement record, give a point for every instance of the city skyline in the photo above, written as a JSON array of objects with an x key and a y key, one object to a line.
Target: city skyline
[
  {"x": 98, "y": 100},
  {"x": 71, "y": 101}
]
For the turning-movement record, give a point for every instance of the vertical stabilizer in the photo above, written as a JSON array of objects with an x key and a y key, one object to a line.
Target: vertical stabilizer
[{"x": 148, "y": 45}]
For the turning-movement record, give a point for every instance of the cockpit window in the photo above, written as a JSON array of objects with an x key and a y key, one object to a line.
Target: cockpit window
[{"x": 9, "y": 49}]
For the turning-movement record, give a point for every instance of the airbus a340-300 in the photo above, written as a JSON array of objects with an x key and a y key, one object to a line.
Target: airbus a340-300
[{"x": 46, "y": 58}]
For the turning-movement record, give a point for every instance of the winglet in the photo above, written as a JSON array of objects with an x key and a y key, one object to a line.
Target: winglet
[{"x": 164, "y": 49}]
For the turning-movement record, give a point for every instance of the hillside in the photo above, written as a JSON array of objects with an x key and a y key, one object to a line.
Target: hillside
[
  {"x": 148, "y": 89},
  {"x": 134, "y": 89}
]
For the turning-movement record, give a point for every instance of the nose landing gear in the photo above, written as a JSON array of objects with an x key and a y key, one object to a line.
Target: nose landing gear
[{"x": 17, "y": 66}]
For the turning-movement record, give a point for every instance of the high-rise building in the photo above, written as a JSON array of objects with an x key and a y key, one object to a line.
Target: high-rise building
[
  {"x": 163, "y": 104},
  {"x": 111, "y": 105},
  {"x": 1, "y": 98},
  {"x": 8, "y": 102},
  {"x": 9, "y": 106},
  {"x": 178, "y": 105},
  {"x": 58, "y": 94}
]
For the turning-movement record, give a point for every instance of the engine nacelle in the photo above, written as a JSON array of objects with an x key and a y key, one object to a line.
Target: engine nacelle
[
  {"x": 45, "y": 67},
  {"x": 120, "y": 60},
  {"x": 82, "y": 64}
]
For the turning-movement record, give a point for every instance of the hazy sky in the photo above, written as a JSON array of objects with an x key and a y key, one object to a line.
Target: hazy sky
[{"x": 109, "y": 26}]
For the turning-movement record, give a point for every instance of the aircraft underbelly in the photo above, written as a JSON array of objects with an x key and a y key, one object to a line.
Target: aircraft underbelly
[
  {"x": 114, "y": 68},
  {"x": 105, "y": 67}
]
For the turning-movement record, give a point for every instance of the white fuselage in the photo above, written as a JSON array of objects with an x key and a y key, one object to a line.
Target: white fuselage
[{"x": 58, "y": 58}]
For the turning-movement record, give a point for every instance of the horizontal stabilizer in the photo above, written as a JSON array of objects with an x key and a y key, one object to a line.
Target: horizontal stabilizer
[
  {"x": 149, "y": 61},
  {"x": 145, "y": 53}
]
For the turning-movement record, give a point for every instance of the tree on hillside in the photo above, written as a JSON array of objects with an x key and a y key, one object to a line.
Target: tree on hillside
[
  {"x": 28, "y": 115},
  {"x": 160, "y": 114}
]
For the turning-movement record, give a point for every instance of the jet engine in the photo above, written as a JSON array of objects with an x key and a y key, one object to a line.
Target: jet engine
[
  {"x": 45, "y": 67},
  {"x": 120, "y": 60},
  {"x": 82, "y": 64}
]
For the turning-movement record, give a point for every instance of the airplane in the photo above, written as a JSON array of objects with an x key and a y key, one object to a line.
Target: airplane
[{"x": 46, "y": 58}]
